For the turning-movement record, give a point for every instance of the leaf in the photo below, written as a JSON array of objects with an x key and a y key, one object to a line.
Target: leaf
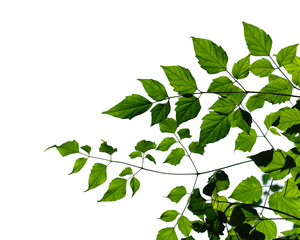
[
  {"x": 242, "y": 119},
  {"x": 197, "y": 202},
  {"x": 188, "y": 238},
  {"x": 184, "y": 225},
  {"x": 116, "y": 190},
  {"x": 151, "y": 158},
  {"x": 274, "y": 131},
  {"x": 104, "y": 147},
  {"x": 217, "y": 182},
  {"x": 268, "y": 228},
  {"x": 293, "y": 67},
  {"x": 154, "y": 89},
  {"x": 241, "y": 69},
  {"x": 220, "y": 203},
  {"x": 169, "y": 215},
  {"x": 245, "y": 142},
  {"x": 126, "y": 171},
  {"x": 180, "y": 79},
  {"x": 186, "y": 109},
  {"x": 254, "y": 103},
  {"x": 165, "y": 144},
  {"x": 160, "y": 112},
  {"x": 175, "y": 156},
  {"x": 288, "y": 118},
  {"x": 259, "y": 43},
  {"x": 67, "y": 148},
  {"x": 272, "y": 119},
  {"x": 262, "y": 68},
  {"x": 291, "y": 187},
  {"x": 144, "y": 146},
  {"x": 195, "y": 147},
  {"x": 135, "y": 154},
  {"x": 286, "y": 55},
  {"x": 214, "y": 127},
  {"x": 97, "y": 176},
  {"x": 167, "y": 234},
  {"x": 79, "y": 164},
  {"x": 184, "y": 133},
  {"x": 296, "y": 77},
  {"x": 211, "y": 57},
  {"x": 86, "y": 148},
  {"x": 130, "y": 107},
  {"x": 223, "y": 105},
  {"x": 169, "y": 125},
  {"x": 135, "y": 185},
  {"x": 248, "y": 191},
  {"x": 177, "y": 193}
]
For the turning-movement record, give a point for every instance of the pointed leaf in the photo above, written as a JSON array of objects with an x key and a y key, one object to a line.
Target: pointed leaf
[
  {"x": 262, "y": 68},
  {"x": 286, "y": 55},
  {"x": 97, "y": 176},
  {"x": 135, "y": 154},
  {"x": 116, "y": 190},
  {"x": 86, "y": 148},
  {"x": 223, "y": 105},
  {"x": 165, "y": 144},
  {"x": 167, "y": 234},
  {"x": 184, "y": 133},
  {"x": 197, "y": 202},
  {"x": 175, "y": 156},
  {"x": 291, "y": 187},
  {"x": 184, "y": 225},
  {"x": 296, "y": 77},
  {"x": 293, "y": 66},
  {"x": 104, "y": 147},
  {"x": 126, "y": 171},
  {"x": 186, "y": 109},
  {"x": 195, "y": 147},
  {"x": 79, "y": 164},
  {"x": 177, "y": 193},
  {"x": 169, "y": 125},
  {"x": 288, "y": 118},
  {"x": 254, "y": 103},
  {"x": 240, "y": 69},
  {"x": 144, "y": 146},
  {"x": 154, "y": 89},
  {"x": 245, "y": 142},
  {"x": 160, "y": 112},
  {"x": 151, "y": 158},
  {"x": 169, "y": 215},
  {"x": 135, "y": 185},
  {"x": 67, "y": 148},
  {"x": 242, "y": 119}
]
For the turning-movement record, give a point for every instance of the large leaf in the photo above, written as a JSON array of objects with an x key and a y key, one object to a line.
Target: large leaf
[
  {"x": 211, "y": 57},
  {"x": 259, "y": 43},
  {"x": 97, "y": 176},
  {"x": 240, "y": 69},
  {"x": 245, "y": 141},
  {"x": 130, "y": 107},
  {"x": 184, "y": 225},
  {"x": 166, "y": 143},
  {"x": 186, "y": 109},
  {"x": 286, "y": 55},
  {"x": 144, "y": 146},
  {"x": 154, "y": 89},
  {"x": 167, "y": 234},
  {"x": 177, "y": 193},
  {"x": 267, "y": 227},
  {"x": 160, "y": 112},
  {"x": 116, "y": 190},
  {"x": 262, "y": 68},
  {"x": 180, "y": 79},
  {"x": 169, "y": 215},
  {"x": 175, "y": 156},
  {"x": 79, "y": 164}
]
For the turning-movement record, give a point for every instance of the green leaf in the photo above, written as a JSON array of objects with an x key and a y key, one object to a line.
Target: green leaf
[
  {"x": 177, "y": 193},
  {"x": 265, "y": 178},
  {"x": 86, "y": 148},
  {"x": 126, "y": 171},
  {"x": 154, "y": 89},
  {"x": 104, "y": 147},
  {"x": 291, "y": 187},
  {"x": 97, "y": 176},
  {"x": 274, "y": 131},
  {"x": 167, "y": 234},
  {"x": 67, "y": 148},
  {"x": 214, "y": 127},
  {"x": 245, "y": 142},
  {"x": 197, "y": 202},
  {"x": 286, "y": 55},
  {"x": 186, "y": 109},
  {"x": 294, "y": 66},
  {"x": 223, "y": 105},
  {"x": 169, "y": 215},
  {"x": 180, "y": 79},
  {"x": 288, "y": 118},
  {"x": 116, "y": 190},
  {"x": 248, "y": 191},
  {"x": 220, "y": 203},
  {"x": 184, "y": 225},
  {"x": 259, "y": 43},
  {"x": 165, "y": 144},
  {"x": 144, "y": 146},
  {"x": 79, "y": 164},
  {"x": 135, "y": 154},
  {"x": 272, "y": 119},
  {"x": 175, "y": 156},
  {"x": 130, "y": 107},
  {"x": 292, "y": 231},
  {"x": 169, "y": 125},
  {"x": 135, "y": 185},
  {"x": 217, "y": 182},
  {"x": 188, "y": 238},
  {"x": 151, "y": 158},
  {"x": 160, "y": 112},
  {"x": 296, "y": 77},
  {"x": 195, "y": 147},
  {"x": 241, "y": 69},
  {"x": 254, "y": 103},
  {"x": 211, "y": 57},
  {"x": 184, "y": 133},
  {"x": 262, "y": 68},
  {"x": 242, "y": 119}
]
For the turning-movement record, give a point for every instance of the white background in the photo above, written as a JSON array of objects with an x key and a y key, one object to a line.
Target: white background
[{"x": 63, "y": 62}]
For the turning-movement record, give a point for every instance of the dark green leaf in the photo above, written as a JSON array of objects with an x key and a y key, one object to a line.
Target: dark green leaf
[
  {"x": 242, "y": 119},
  {"x": 135, "y": 154},
  {"x": 154, "y": 89},
  {"x": 197, "y": 202},
  {"x": 175, "y": 156},
  {"x": 237, "y": 217},
  {"x": 186, "y": 109},
  {"x": 240, "y": 69},
  {"x": 184, "y": 225},
  {"x": 195, "y": 147},
  {"x": 177, "y": 193},
  {"x": 79, "y": 164},
  {"x": 126, "y": 171},
  {"x": 211, "y": 57},
  {"x": 286, "y": 55},
  {"x": 184, "y": 133},
  {"x": 199, "y": 226},
  {"x": 262, "y": 68},
  {"x": 265, "y": 178},
  {"x": 144, "y": 146},
  {"x": 245, "y": 142},
  {"x": 223, "y": 105},
  {"x": 166, "y": 143},
  {"x": 104, "y": 147},
  {"x": 217, "y": 182},
  {"x": 86, "y": 148},
  {"x": 169, "y": 125},
  {"x": 151, "y": 158},
  {"x": 97, "y": 176},
  {"x": 259, "y": 43},
  {"x": 188, "y": 238},
  {"x": 135, "y": 185},
  {"x": 116, "y": 190},
  {"x": 169, "y": 215},
  {"x": 160, "y": 112},
  {"x": 267, "y": 227},
  {"x": 264, "y": 158},
  {"x": 294, "y": 66},
  {"x": 180, "y": 79},
  {"x": 130, "y": 107},
  {"x": 167, "y": 234},
  {"x": 254, "y": 103}
]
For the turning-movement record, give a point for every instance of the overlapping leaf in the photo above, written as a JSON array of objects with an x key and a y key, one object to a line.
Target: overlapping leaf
[{"x": 160, "y": 112}]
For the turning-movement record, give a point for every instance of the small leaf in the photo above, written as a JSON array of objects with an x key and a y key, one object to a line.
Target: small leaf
[
  {"x": 184, "y": 226},
  {"x": 184, "y": 133},
  {"x": 116, "y": 190},
  {"x": 66, "y": 148},
  {"x": 186, "y": 109},
  {"x": 223, "y": 105},
  {"x": 177, "y": 193},
  {"x": 169, "y": 215},
  {"x": 195, "y": 147},
  {"x": 167, "y": 233},
  {"x": 219, "y": 181},
  {"x": 245, "y": 142},
  {"x": 254, "y": 103},
  {"x": 144, "y": 146},
  {"x": 86, "y": 148},
  {"x": 286, "y": 55},
  {"x": 79, "y": 164},
  {"x": 135, "y": 154},
  {"x": 151, "y": 158},
  {"x": 97, "y": 176},
  {"x": 165, "y": 144},
  {"x": 135, "y": 185},
  {"x": 175, "y": 156},
  {"x": 169, "y": 125},
  {"x": 240, "y": 69},
  {"x": 130, "y": 107},
  {"x": 296, "y": 77},
  {"x": 274, "y": 131},
  {"x": 126, "y": 171},
  {"x": 160, "y": 112},
  {"x": 154, "y": 89},
  {"x": 104, "y": 147},
  {"x": 262, "y": 68}
]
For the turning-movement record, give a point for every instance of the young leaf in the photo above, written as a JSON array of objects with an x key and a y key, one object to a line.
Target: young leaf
[
  {"x": 165, "y": 144},
  {"x": 167, "y": 233},
  {"x": 262, "y": 68},
  {"x": 126, "y": 171},
  {"x": 223, "y": 105},
  {"x": 184, "y": 225},
  {"x": 286, "y": 55},
  {"x": 186, "y": 109},
  {"x": 177, "y": 193},
  {"x": 180, "y": 79},
  {"x": 67, "y": 148},
  {"x": 169, "y": 125},
  {"x": 160, "y": 112},
  {"x": 175, "y": 156},
  {"x": 184, "y": 133},
  {"x": 248, "y": 191},
  {"x": 293, "y": 66},
  {"x": 97, "y": 176},
  {"x": 79, "y": 164},
  {"x": 151, "y": 158},
  {"x": 144, "y": 146},
  {"x": 154, "y": 89},
  {"x": 254, "y": 103},
  {"x": 259, "y": 43},
  {"x": 169, "y": 215},
  {"x": 135, "y": 154},
  {"x": 130, "y": 107},
  {"x": 86, "y": 148},
  {"x": 245, "y": 141},
  {"x": 240, "y": 69},
  {"x": 135, "y": 185},
  {"x": 211, "y": 57},
  {"x": 116, "y": 190},
  {"x": 195, "y": 147},
  {"x": 104, "y": 147}
]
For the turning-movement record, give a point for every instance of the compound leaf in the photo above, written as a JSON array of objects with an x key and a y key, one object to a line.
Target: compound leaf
[
  {"x": 116, "y": 190},
  {"x": 97, "y": 176},
  {"x": 154, "y": 89},
  {"x": 186, "y": 109}
]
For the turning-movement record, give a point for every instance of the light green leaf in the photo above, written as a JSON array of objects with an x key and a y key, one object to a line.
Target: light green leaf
[
  {"x": 291, "y": 187},
  {"x": 296, "y": 77},
  {"x": 223, "y": 105},
  {"x": 292, "y": 231},
  {"x": 186, "y": 109},
  {"x": 135, "y": 185},
  {"x": 262, "y": 68},
  {"x": 254, "y": 103},
  {"x": 169, "y": 215},
  {"x": 86, "y": 148},
  {"x": 166, "y": 143},
  {"x": 79, "y": 164},
  {"x": 144, "y": 146},
  {"x": 294, "y": 66},
  {"x": 160, "y": 112},
  {"x": 116, "y": 190},
  {"x": 286, "y": 55},
  {"x": 245, "y": 142},
  {"x": 195, "y": 147},
  {"x": 135, "y": 154},
  {"x": 267, "y": 227},
  {"x": 259, "y": 43},
  {"x": 168, "y": 125},
  {"x": 97, "y": 176},
  {"x": 151, "y": 158},
  {"x": 211, "y": 57},
  {"x": 126, "y": 171},
  {"x": 184, "y": 133},
  {"x": 184, "y": 225},
  {"x": 248, "y": 191},
  {"x": 288, "y": 118},
  {"x": 220, "y": 203},
  {"x": 274, "y": 131},
  {"x": 66, "y": 148},
  {"x": 167, "y": 234},
  {"x": 241, "y": 69},
  {"x": 272, "y": 119},
  {"x": 180, "y": 79},
  {"x": 154, "y": 89},
  {"x": 175, "y": 156},
  {"x": 104, "y": 147},
  {"x": 130, "y": 107},
  {"x": 177, "y": 193}
]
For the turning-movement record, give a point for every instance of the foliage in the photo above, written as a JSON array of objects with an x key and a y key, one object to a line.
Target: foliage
[{"x": 235, "y": 216}]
